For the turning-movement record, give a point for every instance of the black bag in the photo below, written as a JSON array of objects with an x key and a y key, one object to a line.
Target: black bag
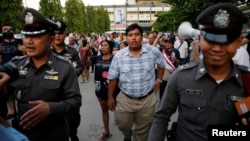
[{"x": 171, "y": 133}]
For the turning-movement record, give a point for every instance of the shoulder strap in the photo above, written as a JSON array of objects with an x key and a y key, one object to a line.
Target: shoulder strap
[
  {"x": 170, "y": 65},
  {"x": 180, "y": 45}
]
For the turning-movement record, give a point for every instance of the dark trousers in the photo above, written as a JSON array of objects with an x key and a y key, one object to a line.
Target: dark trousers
[
  {"x": 56, "y": 132},
  {"x": 162, "y": 88},
  {"x": 3, "y": 105},
  {"x": 74, "y": 120}
]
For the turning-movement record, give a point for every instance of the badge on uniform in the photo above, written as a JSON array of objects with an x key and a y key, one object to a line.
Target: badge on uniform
[
  {"x": 232, "y": 99},
  {"x": 51, "y": 75},
  {"x": 23, "y": 72},
  {"x": 194, "y": 92}
]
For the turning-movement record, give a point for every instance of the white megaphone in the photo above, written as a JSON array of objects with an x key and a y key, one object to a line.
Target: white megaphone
[{"x": 186, "y": 31}]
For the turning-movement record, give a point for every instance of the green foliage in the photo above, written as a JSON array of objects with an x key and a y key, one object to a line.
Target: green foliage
[
  {"x": 85, "y": 19},
  {"x": 183, "y": 10},
  {"x": 51, "y": 9},
  {"x": 10, "y": 13}
]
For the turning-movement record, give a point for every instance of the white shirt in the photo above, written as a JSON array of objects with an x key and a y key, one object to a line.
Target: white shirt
[
  {"x": 242, "y": 57},
  {"x": 182, "y": 49}
]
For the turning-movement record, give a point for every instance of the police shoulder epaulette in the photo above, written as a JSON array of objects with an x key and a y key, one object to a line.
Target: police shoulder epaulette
[
  {"x": 244, "y": 68},
  {"x": 61, "y": 58},
  {"x": 71, "y": 49},
  {"x": 188, "y": 65},
  {"x": 19, "y": 57}
]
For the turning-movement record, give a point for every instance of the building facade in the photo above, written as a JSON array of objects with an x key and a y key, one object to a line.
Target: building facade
[{"x": 135, "y": 11}]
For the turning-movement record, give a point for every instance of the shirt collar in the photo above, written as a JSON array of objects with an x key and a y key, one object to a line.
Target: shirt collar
[
  {"x": 143, "y": 49},
  {"x": 235, "y": 72},
  {"x": 49, "y": 63}
]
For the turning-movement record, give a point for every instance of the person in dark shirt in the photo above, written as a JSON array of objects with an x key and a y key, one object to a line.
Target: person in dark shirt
[
  {"x": 70, "y": 54},
  {"x": 47, "y": 89},
  {"x": 102, "y": 63},
  {"x": 9, "y": 48},
  {"x": 203, "y": 92}
]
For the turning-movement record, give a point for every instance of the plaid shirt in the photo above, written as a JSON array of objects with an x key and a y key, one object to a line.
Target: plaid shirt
[{"x": 136, "y": 75}]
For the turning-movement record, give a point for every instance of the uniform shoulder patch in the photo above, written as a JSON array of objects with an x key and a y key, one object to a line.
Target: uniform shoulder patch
[
  {"x": 61, "y": 58},
  {"x": 189, "y": 65},
  {"x": 244, "y": 68},
  {"x": 19, "y": 57}
]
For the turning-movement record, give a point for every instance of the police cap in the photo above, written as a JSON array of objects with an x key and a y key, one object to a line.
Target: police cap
[
  {"x": 61, "y": 27},
  {"x": 221, "y": 23},
  {"x": 35, "y": 24}
]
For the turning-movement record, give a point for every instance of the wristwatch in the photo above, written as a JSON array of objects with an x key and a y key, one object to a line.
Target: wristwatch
[{"x": 160, "y": 80}]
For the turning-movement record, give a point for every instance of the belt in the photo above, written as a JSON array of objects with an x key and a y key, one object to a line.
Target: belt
[{"x": 139, "y": 98}]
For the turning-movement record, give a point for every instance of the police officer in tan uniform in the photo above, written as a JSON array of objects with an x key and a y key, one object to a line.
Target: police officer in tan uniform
[
  {"x": 46, "y": 90},
  {"x": 204, "y": 92}
]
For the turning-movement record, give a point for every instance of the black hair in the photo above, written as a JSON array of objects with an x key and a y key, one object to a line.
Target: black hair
[
  {"x": 132, "y": 27},
  {"x": 84, "y": 42},
  {"x": 111, "y": 45},
  {"x": 124, "y": 42}
]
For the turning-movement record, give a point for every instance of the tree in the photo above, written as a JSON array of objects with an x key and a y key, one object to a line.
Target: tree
[
  {"x": 51, "y": 9},
  {"x": 11, "y": 13},
  {"x": 89, "y": 18},
  {"x": 183, "y": 10},
  {"x": 74, "y": 16},
  {"x": 102, "y": 20}
]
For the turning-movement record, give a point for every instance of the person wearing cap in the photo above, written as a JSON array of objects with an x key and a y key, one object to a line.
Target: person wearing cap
[
  {"x": 70, "y": 54},
  {"x": 172, "y": 57},
  {"x": 204, "y": 90},
  {"x": 134, "y": 67},
  {"x": 60, "y": 48},
  {"x": 46, "y": 90}
]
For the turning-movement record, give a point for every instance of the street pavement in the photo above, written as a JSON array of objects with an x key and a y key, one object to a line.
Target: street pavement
[{"x": 91, "y": 127}]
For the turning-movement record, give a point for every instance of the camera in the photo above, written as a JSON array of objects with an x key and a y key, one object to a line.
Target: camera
[{"x": 11, "y": 70}]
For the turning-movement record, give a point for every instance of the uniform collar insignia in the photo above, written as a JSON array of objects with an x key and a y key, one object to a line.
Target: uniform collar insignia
[
  {"x": 52, "y": 72},
  {"x": 29, "y": 19},
  {"x": 236, "y": 75},
  {"x": 221, "y": 19},
  {"x": 50, "y": 62},
  {"x": 202, "y": 70}
]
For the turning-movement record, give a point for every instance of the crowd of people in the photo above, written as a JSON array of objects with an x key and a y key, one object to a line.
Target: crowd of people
[{"x": 199, "y": 77}]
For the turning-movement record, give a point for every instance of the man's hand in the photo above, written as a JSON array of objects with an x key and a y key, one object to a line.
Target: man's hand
[
  {"x": 111, "y": 104},
  {"x": 157, "y": 85},
  {"x": 39, "y": 111}
]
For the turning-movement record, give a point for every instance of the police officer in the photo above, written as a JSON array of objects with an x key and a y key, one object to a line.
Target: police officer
[
  {"x": 204, "y": 91},
  {"x": 70, "y": 54},
  {"x": 60, "y": 48},
  {"x": 46, "y": 90}
]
